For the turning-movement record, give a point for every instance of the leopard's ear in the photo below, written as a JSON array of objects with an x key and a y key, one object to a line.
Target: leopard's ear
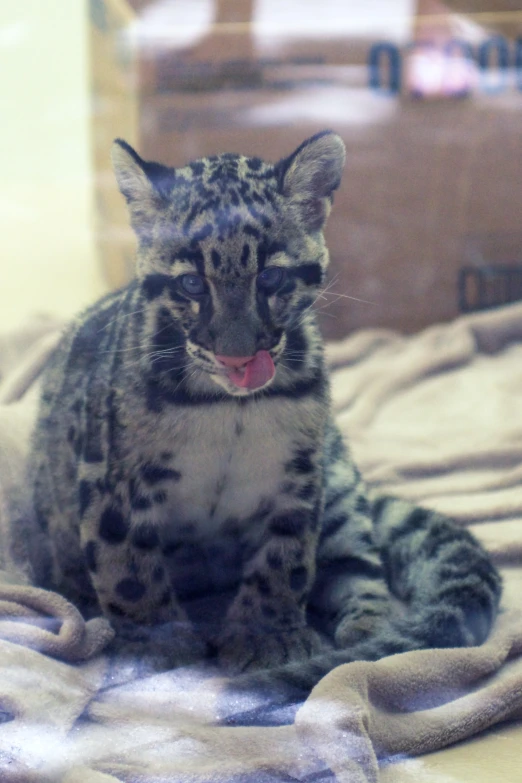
[
  {"x": 146, "y": 186},
  {"x": 138, "y": 179},
  {"x": 309, "y": 176}
]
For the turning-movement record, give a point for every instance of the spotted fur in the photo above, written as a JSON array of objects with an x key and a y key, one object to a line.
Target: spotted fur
[{"x": 157, "y": 478}]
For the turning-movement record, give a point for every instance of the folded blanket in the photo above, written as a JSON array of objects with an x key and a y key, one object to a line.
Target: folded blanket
[{"x": 435, "y": 417}]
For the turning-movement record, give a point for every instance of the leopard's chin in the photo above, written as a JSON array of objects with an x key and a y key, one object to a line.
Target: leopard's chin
[{"x": 231, "y": 388}]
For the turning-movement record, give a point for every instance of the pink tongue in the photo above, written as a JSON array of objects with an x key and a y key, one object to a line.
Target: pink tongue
[{"x": 255, "y": 373}]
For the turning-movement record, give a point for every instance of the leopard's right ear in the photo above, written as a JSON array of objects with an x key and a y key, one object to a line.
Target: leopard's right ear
[
  {"x": 141, "y": 181},
  {"x": 146, "y": 186}
]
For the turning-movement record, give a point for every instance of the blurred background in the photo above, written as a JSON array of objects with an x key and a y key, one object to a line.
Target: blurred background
[{"x": 426, "y": 95}]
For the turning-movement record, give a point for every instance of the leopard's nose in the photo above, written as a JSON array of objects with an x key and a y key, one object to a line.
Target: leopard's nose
[{"x": 234, "y": 361}]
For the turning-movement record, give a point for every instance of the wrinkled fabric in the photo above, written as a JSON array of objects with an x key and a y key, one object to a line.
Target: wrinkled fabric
[{"x": 436, "y": 418}]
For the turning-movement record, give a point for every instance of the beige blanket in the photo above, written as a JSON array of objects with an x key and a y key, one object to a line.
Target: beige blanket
[{"x": 435, "y": 417}]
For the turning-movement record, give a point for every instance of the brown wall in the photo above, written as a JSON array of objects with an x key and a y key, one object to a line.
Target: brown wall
[{"x": 425, "y": 183}]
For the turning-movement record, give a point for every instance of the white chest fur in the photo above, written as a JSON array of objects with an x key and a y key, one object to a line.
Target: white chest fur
[{"x": 231, "y": 458}]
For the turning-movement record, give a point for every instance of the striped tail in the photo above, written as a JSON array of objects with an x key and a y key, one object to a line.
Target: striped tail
[
  {"x": 441, "y": 571},
  {"x": 450, "y": 586}
]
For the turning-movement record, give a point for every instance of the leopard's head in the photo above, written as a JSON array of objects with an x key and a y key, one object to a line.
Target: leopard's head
[{"x": 232, "y": 256}]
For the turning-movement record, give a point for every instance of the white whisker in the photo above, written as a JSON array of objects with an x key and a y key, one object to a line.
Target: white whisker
[
  {"x": 121, "y": 316},
  {"x": 355, "y": 298}
]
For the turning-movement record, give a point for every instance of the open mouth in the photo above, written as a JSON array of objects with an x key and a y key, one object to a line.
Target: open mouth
[{"x": 253, "y": 374}]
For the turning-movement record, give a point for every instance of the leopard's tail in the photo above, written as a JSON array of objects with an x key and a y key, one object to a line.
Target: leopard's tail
[
  {"x": 441, "y": 571},
  {"x": 445, "y": 577}
]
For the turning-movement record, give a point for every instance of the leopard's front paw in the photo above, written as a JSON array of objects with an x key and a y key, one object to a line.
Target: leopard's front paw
[
  {"x": 160, "y": 647},
  {"x": 242, "y": 648}
]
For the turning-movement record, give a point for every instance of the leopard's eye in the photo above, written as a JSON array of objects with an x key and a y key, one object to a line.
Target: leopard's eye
[
  {"x": 270, "y": 279},
  {"x": 194, "y": 285}
]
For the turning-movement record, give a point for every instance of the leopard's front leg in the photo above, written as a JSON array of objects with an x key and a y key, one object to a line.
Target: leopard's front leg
[
  {"x": 126, "y": 566},
  {"x": 266, "y": 623}
]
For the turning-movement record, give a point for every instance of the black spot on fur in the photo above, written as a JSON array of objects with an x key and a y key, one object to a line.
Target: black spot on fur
[
  {"x": 116, "y": 610},
  {"x": 254, "y": 164},
  {"x": 268, "y": 611},
  {"x": 154, "y": 285},
  {"x": 85, "y": 495},
  {"x": 252, "y": 231},
  {"x": 145, "y": 536},
  {"x": 247, "y": 602},
  {"x": 216, "y": 258},
  {"x": 160, "y": 497},
  {"x": 113, "y": 527},
  {"x": 131, "y": 590},
  {"x": 152, "y": 474},
  {"x": 197, "y": 168},
  {"x": 302, "y": 462},
  {"x": 354, "y": 566},
  {"x": 90, "y": 551},
  {"x": 245, "y": 254},
  {"x": 292, "y": 523},
  {"x": 298, "y": 578},
  {"x": 274, "y": 561}
]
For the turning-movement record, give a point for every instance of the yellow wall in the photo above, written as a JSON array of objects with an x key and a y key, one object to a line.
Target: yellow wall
[{"x": 48, "y": 261}]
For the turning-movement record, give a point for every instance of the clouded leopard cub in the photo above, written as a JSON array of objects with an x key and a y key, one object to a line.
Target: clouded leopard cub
[{"x": 185, "y": 443}]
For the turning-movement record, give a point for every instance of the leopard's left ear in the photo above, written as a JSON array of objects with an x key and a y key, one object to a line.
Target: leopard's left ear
[{"x": 309, "y": 176}]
